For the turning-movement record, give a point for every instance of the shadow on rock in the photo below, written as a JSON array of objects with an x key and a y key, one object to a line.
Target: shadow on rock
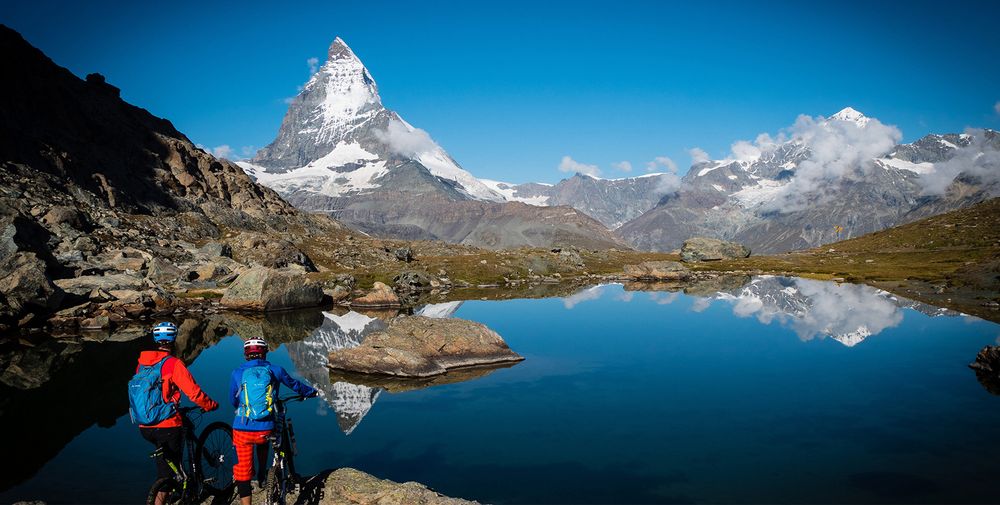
[{"x": 400, "y": 385}]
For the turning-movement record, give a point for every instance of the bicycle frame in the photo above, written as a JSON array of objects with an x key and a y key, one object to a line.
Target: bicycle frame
[{"x": 188, "y": 457}]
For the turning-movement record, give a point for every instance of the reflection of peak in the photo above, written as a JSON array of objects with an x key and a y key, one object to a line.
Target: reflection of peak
[
  {"x": 854, "y": 338},
  {"x": 310, "y": 356},
  {"x": 351, "y": 402},
  {"x": 439, "y": 310}
]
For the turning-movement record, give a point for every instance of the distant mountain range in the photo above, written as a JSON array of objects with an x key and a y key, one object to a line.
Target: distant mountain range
[{"x": 340, "y": 151}]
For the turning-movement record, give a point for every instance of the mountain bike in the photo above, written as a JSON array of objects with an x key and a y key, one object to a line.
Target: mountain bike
[
  {"x": 281, "y": 477},
  {"x": 205, "y": 466}
]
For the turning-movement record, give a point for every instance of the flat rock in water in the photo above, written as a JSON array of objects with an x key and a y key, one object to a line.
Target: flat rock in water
[
  {"x": 264, "y": 289},
  {"x": 711, "y": 249},
  {"x": 417, "y": 346}
]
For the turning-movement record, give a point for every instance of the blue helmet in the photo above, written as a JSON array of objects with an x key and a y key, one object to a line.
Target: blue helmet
[{"x": 165, "y": 332}]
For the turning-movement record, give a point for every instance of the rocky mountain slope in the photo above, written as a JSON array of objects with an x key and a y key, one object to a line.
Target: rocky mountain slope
[
  {"x": 840, "y": 177},
  {"x": 110, "y": 202},
  {"x": 610, "y": 201},
  {"x": 340, "y": 151}
]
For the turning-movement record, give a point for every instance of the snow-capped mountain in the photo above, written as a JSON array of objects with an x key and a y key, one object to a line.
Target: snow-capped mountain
[
  {"x": 351, "y": 402},
  {"x": 338, "y": 139},
  {"x": 610, "y": 201},
  {"x": 339, "y": 150},
  {"x": 790, "y": 193}
]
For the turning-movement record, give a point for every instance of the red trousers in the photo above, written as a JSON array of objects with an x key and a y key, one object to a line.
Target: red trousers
[{"x": 244, "y": 441}]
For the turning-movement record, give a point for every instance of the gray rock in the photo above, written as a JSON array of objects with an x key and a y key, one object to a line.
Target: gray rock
[
  {"x": 25, "y": 288},
  {"x": 412, "y": 281},
  {"x": 266, "y": 289},
  {"x": 417, "y": 346},
  {"x": 215, "y": 250},
  {"x": 83, "y": 285},
  {"x": 404, "y": 254},
  {"x": 710, "y": 249}
]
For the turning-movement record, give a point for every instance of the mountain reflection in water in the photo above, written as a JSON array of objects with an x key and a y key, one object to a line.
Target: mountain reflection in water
[
  {"x": 847, "y": 313},
  {"x": 352, "y": 397}
]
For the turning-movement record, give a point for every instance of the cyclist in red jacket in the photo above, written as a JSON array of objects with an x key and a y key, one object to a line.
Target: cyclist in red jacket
[{"x": 176, "y": 380}]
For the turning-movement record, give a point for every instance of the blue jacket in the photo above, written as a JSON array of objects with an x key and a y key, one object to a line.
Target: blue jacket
[{"x": 280, "y": 377}]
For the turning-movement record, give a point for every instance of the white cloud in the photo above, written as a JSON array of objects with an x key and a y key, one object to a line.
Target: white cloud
[
  {"x": 979, "y": 159},
  {"x": 248, "y": 151},
  {"x": 570, "y": 165},
  {"x": 698, "y": 155},
  {"x": 996, "y": 107},
  {"x": 224, "y": 151},
  {"x": 662, "y": 298},
  {"x": 624, "y": 166},
  {"x": 404, "y": 140},
  {"x": 838, "y": 151},
  {"x": 313, "y": 65},
  {"x": 591, "y": 293},
  {"x": 662, "y": 162}
]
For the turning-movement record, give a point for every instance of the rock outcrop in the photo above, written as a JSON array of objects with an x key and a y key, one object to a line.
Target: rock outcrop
[
  {"x": 416, "y": 346},
  {"x": 711, "y": 249},
  {"x": 987, "y": 368},
  {"x": 265, "y": 289},
  {"x": 347, "y": 486}
]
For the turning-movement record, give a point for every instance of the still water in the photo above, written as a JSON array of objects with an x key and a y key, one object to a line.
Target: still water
[{"x": 779, "y": 390}]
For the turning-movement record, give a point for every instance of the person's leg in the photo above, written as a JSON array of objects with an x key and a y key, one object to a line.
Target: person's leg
[
  {"x": 170, "y": 439},
  {"x": 243, "y": 470}
]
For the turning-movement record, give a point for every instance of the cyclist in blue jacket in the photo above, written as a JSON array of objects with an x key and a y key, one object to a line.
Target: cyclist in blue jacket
[{"x": 252, "y": 389}]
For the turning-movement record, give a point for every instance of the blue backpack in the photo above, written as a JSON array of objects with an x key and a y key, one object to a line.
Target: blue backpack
[
  {"x": 256, "y": 393},
  {"x": 145, "y": 395}
]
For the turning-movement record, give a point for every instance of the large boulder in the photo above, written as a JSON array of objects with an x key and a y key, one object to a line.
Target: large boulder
[
  {"x": 417, "y": 346},
  {"x": 657, "y": 271},
  {"x": 711, "y": 249},
  {"x": 380, "y": 296},
  {"x": 263, "y": 289},
  {"x": 25, "y": 289}
]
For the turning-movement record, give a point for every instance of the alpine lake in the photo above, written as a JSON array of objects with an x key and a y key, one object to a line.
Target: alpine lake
[{"x": 767, "y": 390}]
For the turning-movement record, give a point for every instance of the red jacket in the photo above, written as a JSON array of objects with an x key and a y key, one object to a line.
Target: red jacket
[{"x": 176, "y": 379}]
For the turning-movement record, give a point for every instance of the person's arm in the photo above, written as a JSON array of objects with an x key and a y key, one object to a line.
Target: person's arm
[
  {"x": 234, "y": 389},
  {"x": 185, "y": 382},
  {"x": 297, "y": 386}
]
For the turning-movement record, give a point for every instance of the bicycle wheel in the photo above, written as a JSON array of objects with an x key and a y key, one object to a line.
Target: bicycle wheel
[
  {"x": 275, "y": 486},
  {"x": 166, "y": 485},
  {"x": 216, "y": 457}
]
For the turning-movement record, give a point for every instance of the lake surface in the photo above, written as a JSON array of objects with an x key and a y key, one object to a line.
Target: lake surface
[{"x": 779, "y": 390}]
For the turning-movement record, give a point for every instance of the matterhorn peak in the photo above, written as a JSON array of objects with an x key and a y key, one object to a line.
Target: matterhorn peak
[
  {"x": 340, "y": 51},
  {"x": 852, "y": 115}
]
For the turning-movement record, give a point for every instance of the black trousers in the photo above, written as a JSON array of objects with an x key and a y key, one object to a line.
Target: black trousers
[{"x": 171, "y": 439}]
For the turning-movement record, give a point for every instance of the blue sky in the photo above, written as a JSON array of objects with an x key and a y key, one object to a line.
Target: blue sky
[{"x": 510, "y": 88}]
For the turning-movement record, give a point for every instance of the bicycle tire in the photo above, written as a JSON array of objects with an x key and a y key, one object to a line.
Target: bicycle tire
[
  {"x": 216, "y": 457},
  {"x": 168, "y": 485},
  {"x": 274, "y": 492}
]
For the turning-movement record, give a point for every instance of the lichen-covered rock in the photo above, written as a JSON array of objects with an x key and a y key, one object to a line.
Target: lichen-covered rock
[
  {"x": 412, "y": 281},
  {"x": 264, "y": 289},
  {"x": 657, "y": 270},
  {"x": 347, "y": 486},
  {"x": 380, "y": 296},
  {"x": 416, "y": 346},
  {"x": 711, "y": 249},
  {"x": 85, "y": 284}
]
